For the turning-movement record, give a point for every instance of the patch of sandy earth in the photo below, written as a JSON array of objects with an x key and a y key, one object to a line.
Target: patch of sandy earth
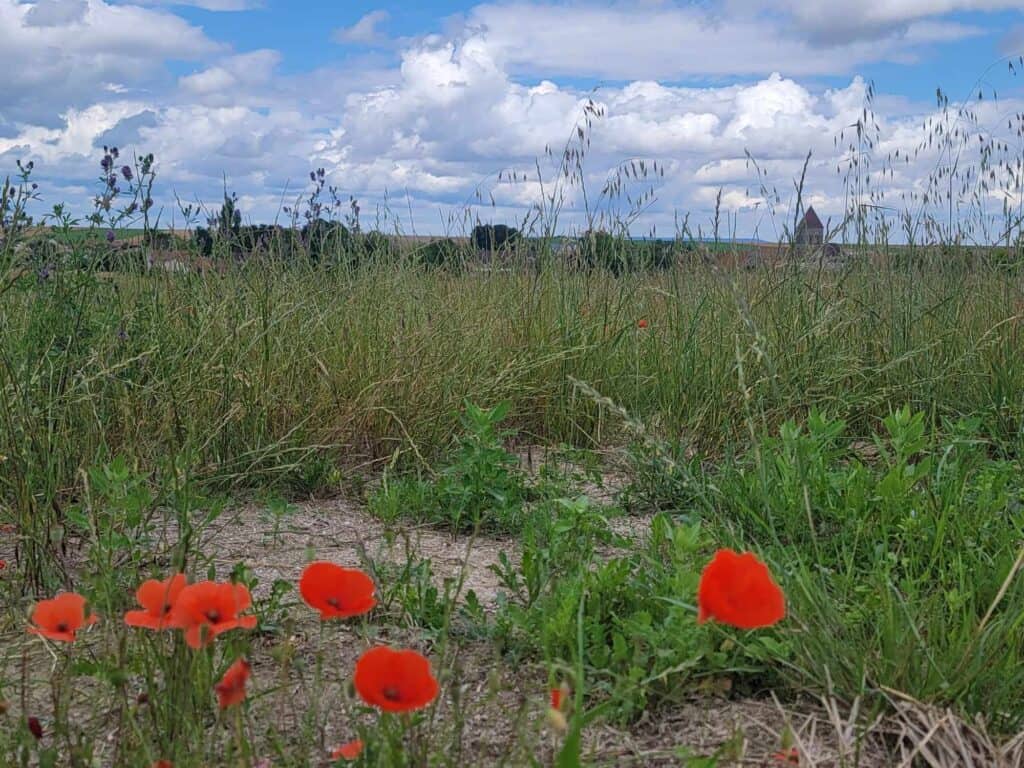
[{"x": 344, "y": 533}]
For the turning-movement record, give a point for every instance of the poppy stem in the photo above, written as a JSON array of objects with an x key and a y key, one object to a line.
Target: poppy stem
[
  {"x": 243, "y": 752},
  {"x": 318, "y": 674}
]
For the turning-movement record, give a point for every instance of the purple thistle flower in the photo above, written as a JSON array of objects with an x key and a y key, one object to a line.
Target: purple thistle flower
[
  {"x": 107, "y": 163},
  {"x": 126, "y": 171},
  {"x": 110, "y": 235},
  {"x": 122, "y": 334}
]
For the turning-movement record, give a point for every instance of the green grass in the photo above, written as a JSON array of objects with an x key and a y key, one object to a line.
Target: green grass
[{"x": 257, "y": 370}]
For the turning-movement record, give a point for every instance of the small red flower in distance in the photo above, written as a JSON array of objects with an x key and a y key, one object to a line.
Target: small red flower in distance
[
  {"x": 556, "y": 698},
  {"x": 35, "y": 727},
  {"x": 162, "y": 764},
  {"x": 157, "y": 599},
  {"x": 336, "y": 592},
  {"x": 738, "y": 590},
  {"x": 61, "y": 617},
  {"x": 788, "y": 757},
  {"x": 208, "y": 608},
  {"x": 395, "y": 681},
  {"x": 641, "y": 324},
  {"x": 231, "y": 688},
  {"x": 3, "y": 564},
  {"x": 348, "y": 751}
]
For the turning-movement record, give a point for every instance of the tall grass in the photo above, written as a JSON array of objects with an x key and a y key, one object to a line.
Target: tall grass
[{"x": 255, "y": 369}]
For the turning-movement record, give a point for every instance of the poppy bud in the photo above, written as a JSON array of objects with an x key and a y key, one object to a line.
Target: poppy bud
[
  {"x": 557, "y": 720},
  {"x": 560, "y": 696},
  {"x": 35, "y": 727},
  {"x": 142, "y": 698}
]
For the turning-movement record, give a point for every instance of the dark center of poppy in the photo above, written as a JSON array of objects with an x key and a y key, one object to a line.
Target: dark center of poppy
[
  {"x": 391, "y": 693},
  {"x": 62, "y": 627},
  {"x": 212, "y": 615},
  {"x": 167, "y": 608},
  {"x": 334, "y": 602}
]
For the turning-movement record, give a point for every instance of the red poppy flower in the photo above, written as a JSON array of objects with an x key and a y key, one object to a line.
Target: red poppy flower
[
  {"x": 395, "y": 681},
  {"x": 641, "y": 324},
  {"x": 787, "y": 757},
  {"x": 336, "y": 592},
  {"x": 738, "y": 590},
  {"x": 348, "y": 751},
  {"x": 231, "y": 688},
  {"x": 35, "y": 727},
  {"x": 3, "y": 564},
  {"x": 163, "y": 764},
  {"x": 61, "y": 617},
  {"x": 207, "y": 609},
  {"x": 157, "y": 598},
  {"x": 556, "y": 698}
]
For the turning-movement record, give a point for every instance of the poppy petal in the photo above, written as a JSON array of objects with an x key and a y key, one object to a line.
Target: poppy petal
[{"x": 737, "y": 589}]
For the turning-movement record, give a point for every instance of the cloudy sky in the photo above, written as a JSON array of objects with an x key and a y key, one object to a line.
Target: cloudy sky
[{"x": 429, "y": 112}]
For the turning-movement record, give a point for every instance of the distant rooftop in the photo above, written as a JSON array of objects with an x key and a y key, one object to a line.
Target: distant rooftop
[{"x": 811, "y": 220}]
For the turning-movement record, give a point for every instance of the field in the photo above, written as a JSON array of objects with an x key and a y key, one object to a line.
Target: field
[
  {"x": 534, "y": 464},
  {"x": 240, "y": 464}
]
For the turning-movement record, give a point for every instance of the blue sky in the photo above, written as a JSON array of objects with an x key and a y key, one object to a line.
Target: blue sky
[
  {"x": 415, "y": 108},
  {"x": 306, "y": 40}
]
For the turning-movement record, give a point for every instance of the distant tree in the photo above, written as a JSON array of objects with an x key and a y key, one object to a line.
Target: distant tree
[
  {"x": 376, "y": 245},
  {"x": 441, "y": 253},
  {"x": 327, "y": 240},
  {"x": 620, "y": 254},
  {"x": 493, "y": 237},
  {"x": 203, "y": 238}
]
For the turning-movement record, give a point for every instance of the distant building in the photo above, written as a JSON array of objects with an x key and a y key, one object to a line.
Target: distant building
[{"x": 810, "y": 231}]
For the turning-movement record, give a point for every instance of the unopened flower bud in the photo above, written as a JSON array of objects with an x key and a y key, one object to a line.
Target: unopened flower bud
[{"x": 557, "y": 720}]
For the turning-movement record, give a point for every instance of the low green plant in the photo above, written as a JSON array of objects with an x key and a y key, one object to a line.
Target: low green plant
[
  {"x": 900, "y": 555},
  {"x": 641, "y": 644},
  {"x": 481, "y": 488}
]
